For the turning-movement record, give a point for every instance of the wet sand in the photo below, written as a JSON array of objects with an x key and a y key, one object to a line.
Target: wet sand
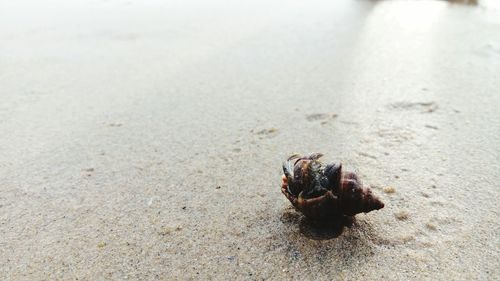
[{"x": 144, "y": 141}]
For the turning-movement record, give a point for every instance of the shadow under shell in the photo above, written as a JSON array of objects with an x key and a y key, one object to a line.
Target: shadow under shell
[{"x": 324, "y": 230}]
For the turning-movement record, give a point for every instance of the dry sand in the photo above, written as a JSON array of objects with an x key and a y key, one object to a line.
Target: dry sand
[{"x": 144, "y": 141}]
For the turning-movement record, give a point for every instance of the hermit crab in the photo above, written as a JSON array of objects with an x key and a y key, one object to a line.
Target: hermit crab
[{"x": 325, "y": 194}]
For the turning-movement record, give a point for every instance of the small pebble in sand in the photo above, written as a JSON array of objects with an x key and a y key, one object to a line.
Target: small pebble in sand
[
  {"x": 431, "y": 127},
  {"x": 407, "y": 238},
  {"x": 101, "y": 244},
  {"x": 165, "y": 231},
  {"x": 401, "y": 215},
  {"x": 169, "y": 229},
  {"x": 217, "y": 187},
  {"x": 430, "y": 226},
  {"x": 389, "y": 189}
]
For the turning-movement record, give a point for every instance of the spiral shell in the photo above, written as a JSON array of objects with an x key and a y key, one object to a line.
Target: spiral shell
[{"x": 325, "y": 193}]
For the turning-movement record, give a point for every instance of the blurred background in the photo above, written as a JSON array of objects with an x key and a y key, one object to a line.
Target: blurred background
[{"x": 144, "y": 139}]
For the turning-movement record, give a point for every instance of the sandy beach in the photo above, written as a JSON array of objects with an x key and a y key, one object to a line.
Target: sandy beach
[{"x": 143, "y": 140}]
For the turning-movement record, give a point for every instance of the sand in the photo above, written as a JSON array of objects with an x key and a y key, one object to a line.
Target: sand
[{"x": 144, "y": 141}]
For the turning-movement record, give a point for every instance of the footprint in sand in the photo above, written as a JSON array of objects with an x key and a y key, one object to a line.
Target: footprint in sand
[
  {"x": 394, "y": 136},
  {"x": 422, "y": 107},
  {"x": 323, "y": 117},
  {"x": 265, "y": 133}
]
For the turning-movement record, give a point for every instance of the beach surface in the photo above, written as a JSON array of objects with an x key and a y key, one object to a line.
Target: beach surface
[{"x": 143, "y": 140}]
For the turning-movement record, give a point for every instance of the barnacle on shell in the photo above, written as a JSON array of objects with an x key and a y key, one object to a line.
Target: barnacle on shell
[{"x": 325, "y": 193}]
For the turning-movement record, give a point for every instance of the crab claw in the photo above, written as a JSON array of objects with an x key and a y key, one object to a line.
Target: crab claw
[
  {"x": 286, "y": 191},
  {"x": 293, "y": 156},
  {"x": 313, "y": 156},
  {"x": 321, "y": 208},
  {"x": 333, "y": 174}
]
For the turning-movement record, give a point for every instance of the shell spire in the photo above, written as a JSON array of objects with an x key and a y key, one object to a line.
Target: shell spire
[{"x": 357, "y": 199}]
